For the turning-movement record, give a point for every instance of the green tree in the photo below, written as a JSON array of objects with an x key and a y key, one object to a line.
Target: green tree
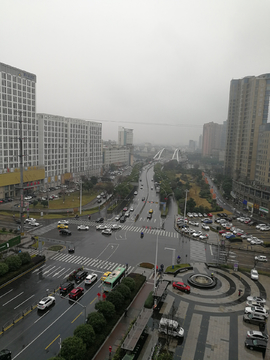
[
  {"x": 97, "y": 321},
  {"x": 73, "y": 348},
  {"x": 128, "y": 281},
  {"x": 57, "y": 358},
  {"x": 3, "y": 268},
  {"x": 124, "y": 290},
  {"x": 191, "y": 204},
  {"x": 35, "y": 202},
  {"x": 116, "y": 298},
  {"x": 165, "y": 356},
  {"x": 94, "y": 180},
  {"x": 14, "y": 262},
  {"x": 25, "y": 257},
  {"x": 44, "y": 203},
  {"x": 106, "y": 308},
  {"x": 86, "y": 333}
]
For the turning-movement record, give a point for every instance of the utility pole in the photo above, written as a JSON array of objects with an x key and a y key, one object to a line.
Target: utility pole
[
  {"x": 185, "y": 205},
  {"x": 21, "y": 173}
]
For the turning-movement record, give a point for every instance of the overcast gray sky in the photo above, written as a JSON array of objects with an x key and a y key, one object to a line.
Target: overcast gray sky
[{"x": 161, "y": 67}]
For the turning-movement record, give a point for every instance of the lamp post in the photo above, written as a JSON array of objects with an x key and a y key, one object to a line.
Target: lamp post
[{"x": 186, "y": 191}]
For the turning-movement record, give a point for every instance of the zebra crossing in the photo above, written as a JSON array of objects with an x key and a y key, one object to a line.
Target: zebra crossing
[{"x": 127, "y": 227}]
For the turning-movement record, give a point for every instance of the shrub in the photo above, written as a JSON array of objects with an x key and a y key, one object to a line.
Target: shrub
[
  {"x": 73, "y": 348},
  {"x": 129, "y": 282},
  {"x": 149, "y": 302},
  {"x": 106, "y": 308},
  {"x": 25, "y": 257},
  {"x": 14, "y": 262},
  {"x": 86, "y": 333},
  {"x": 116, "y": 298},
  {"x": 124, "y": 290},
  {"x": 97, "y": 321},
  {"x": 4, "y": 229},
  {"x": 3, "y": 268}
]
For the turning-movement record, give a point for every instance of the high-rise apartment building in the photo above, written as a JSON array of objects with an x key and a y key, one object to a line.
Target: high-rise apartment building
[
  {"x": 248, "y": 109},
  {"x": 18, "y": 108},
  {"x": 212, "y": 138},
  {"x": 125, "y": 136}
]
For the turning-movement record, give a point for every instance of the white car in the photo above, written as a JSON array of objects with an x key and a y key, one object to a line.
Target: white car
[
  {"x": 116, "y": 227},
  {"x": 197, "y": 234},
  {"x": 265, "y": 228},
  {"x": 106, "y": 232},
  {"x": 135, "y": 192},
  {"x": 46, "y": 302},
  {"x": 30, "y": 220},
  {"x": 259, "y": 226},
  {"x": 82, "y": 227},
  {"x": 256, "y": 242},
  {"x": 256, "y": 309},
  {"x": 28, "y": 198},
  {"x": 226, "y": 234},
  {"x": 101, "y": 227},
  {"x": 254, "y": 274},
  {"x": 33, "y": 223},
  {"x": 205, "y": 227},
  {"x": 131, "y": 209},
  {"x": 65, "y": 222},
  {"x": 117, "y": 218},
  {"x": 90, "y": 279},
  {"x": 261, "y": 258},
  {"x": 204, "y": 236},
  {"x": 258, "y": 299}
]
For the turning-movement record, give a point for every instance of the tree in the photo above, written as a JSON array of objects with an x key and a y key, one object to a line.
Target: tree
[
  {"x": 57, "y": 358},
  {"x": 44, "y": 203},
  {"x": 106, "y": 308},
  {"x": 14, "y": 262},
  {"x": 124, "y": 290},
  {"x": 3, "y": 268},
  {"x": 86, "y": 333},
  {"x": 191, "y": 204},
  {"x": 97, "y": 321},
  {"x": 25, "y": 257},
  {"x": 116, "y": 298},
  {"x": 73, "y": 348},
  {"x": 35, "y": 202},
  {"x": 94, "y": 180},
  {"x": 129, "y": 282}
]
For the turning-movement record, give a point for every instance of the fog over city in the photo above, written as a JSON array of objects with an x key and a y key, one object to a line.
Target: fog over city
[{"x": 162, "y": 68}]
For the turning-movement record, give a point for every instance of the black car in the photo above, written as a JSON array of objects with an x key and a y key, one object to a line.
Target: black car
[
  {"x": 64, "y": 232},
  {"x": 81, "y": 275},
  {"x": 71, "y": 250},
  {"x": 149, "y": 216},
  {"x": 66, "y": 288},
  {"x": 143, "y": 198},
  {"x": 5, "y": 354},
  {"x": 255, "y": 344},
  {"x": 122, "y": 219},
  {"x": 100, "y": 220}
]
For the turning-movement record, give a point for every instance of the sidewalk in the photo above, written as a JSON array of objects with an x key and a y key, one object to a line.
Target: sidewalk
[{"x": 114, "y": 339}]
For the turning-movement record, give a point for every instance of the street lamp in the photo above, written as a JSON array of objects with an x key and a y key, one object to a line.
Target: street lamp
[{"x": 185, "y": 204}]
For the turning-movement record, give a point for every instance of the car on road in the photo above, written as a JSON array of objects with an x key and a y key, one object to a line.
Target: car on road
[
  {"x": 5, "y": 354},
  {"x": 135, "y": 192},
  {"x": 181, "y": 286},
  {"x": 262, "y": 258},
  {"x": 151, "y": 211},
  {"x": 253, "y": 334},
  {"x": 257, "y": 310},
  {"x": 90, "y": 279},
  {"x": 66, "y": 287},
  {"x": 149, "y": 216},
  {"x": 131, "y": 209},
  {"x": 254, "y": 344},
  {"x": 254, "y": 274},
  {"x": 197, "y": 234},
  {"x": 46, "y": 302},
  {"x": 83, "y": 227},
  {"x": 64, "y": 232},
  {"x": 116, "y": 227},
  {"x": 100, "y": 220},
  {"x": 127, "y": 214},
  {"x": 76, "y": 293},
  {"x": 34, "y": 223},
  {"x": 117, "y": 218},
  {"x": 143, "y": 198},
  {"x": 122, "y": 219},
  {"x": 254, "y": 319},
  {"x": 62, "y": 226},
  {"x": 105, "y": 275},
  {"x": 106, "y": 232},
  {"x": 29, "y": 220},
  {"x": 65, "y": 222},
  {"x": 81, "y": 275},
  {"x": 101, "y": 227},
  {"x": 203, "y": 236}
]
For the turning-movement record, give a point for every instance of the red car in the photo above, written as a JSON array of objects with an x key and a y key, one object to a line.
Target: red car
[
  {"x": 209, "y": 215},
  {"x": 222, "y": 231},
  {"x": 76, "y": 293},
  {"x": 181, "y": 286}
]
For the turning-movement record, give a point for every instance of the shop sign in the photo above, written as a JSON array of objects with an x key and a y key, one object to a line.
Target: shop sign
[
  {"x": 250, "y": 204},
  {"x": 263, "y": 209}
]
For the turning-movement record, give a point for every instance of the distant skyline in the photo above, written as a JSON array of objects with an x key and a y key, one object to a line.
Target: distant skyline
[{"x": 162, "y": 68}]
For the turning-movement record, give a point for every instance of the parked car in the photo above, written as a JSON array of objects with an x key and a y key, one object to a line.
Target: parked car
[
  {"x": 66, "y": 287},
  {"x": 76, "y": 293},
  {"x": 203, "y": 236},
  {"x": 46, "y": 302},
  {"x": 257, "y": 299},
  {"x": 205, "y": 227},
  {"x": 254, "y": 319},
  {"x": 259, "y": 310},
  {"x": 255, "y": 344},
  {"x": 181, "y": 286},
  {"x": 90, "y": 279},
  {"x": 253, "y": 334}
]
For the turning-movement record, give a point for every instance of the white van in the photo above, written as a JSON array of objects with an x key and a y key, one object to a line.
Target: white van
[{"x": 170, "y": 327}]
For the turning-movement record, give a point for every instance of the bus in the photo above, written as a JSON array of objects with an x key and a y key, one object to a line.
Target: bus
[{"x": 113, "y": 279}]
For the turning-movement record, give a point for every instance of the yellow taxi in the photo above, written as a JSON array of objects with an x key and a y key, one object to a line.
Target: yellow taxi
[
  {"x": 62, "y": 226},
  {"x": 151, "y": 211},
  {"x": 106, "y": 274}
]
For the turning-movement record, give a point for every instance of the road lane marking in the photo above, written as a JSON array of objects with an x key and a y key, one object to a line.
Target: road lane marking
[
  {"x": 52, "y": 342},
  {"x": 76, "y": 318},
  {"x": 6, "y": 293},
  {"x": 13, "y": 298},
  {"x": 23, "y": 302},
  {"x": 211, "y": 250},
  {"x": 47, "y": 312}
]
